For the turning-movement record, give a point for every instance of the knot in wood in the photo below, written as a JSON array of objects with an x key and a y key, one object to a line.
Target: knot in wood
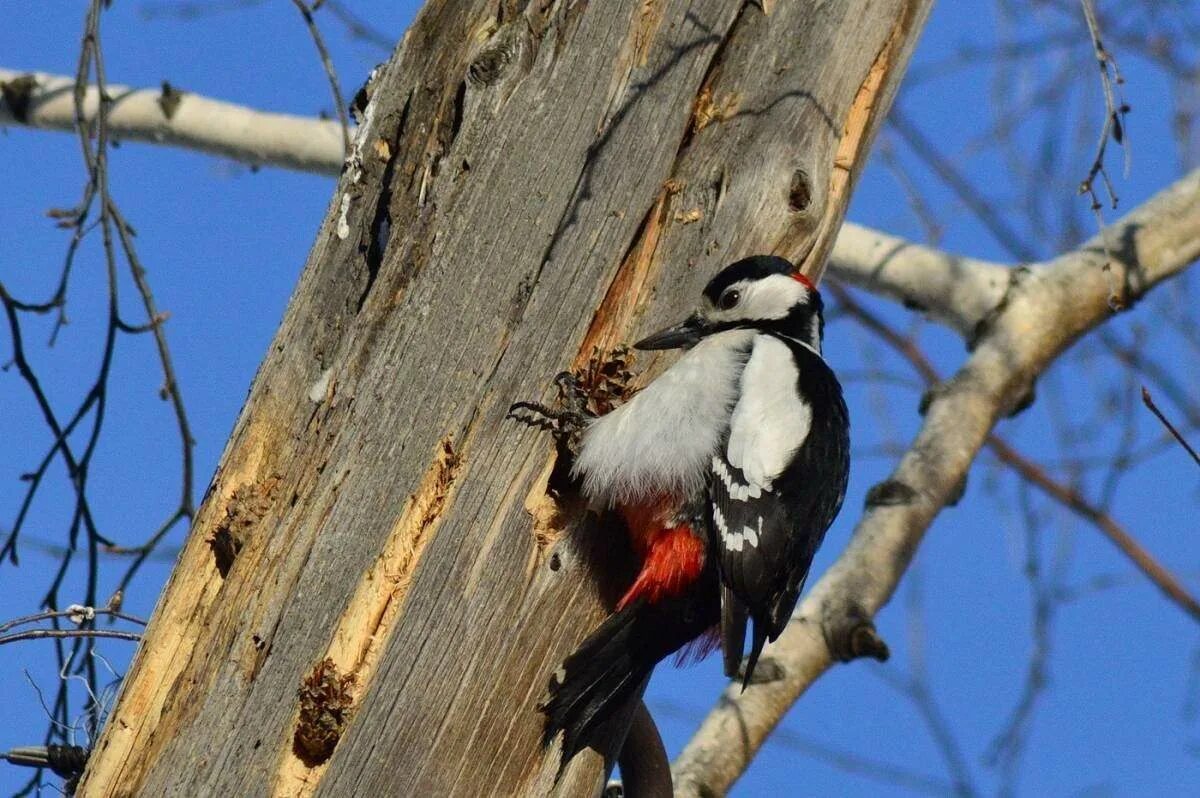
[
  {"x": 67, "y": 761},
  {"x": 1024, "y": 400},
  {"x": 490, "y": 64},
  {"x": 865, "y": 641},
  {"x": 851, "y": 635},
  {"x": 889, "y": 493},
  {"x": 18, "y": 94},
  {"x": 169, "y": 99},
  {"x": 799, "y": 192},
  {"x": 935, "y": 392}
]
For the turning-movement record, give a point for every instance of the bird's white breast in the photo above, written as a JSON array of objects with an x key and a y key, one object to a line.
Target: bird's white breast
[{"x": 662, "y": 440}]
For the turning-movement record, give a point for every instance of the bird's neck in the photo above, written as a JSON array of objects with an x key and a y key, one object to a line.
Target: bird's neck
[{"x": 802, "y": 325}]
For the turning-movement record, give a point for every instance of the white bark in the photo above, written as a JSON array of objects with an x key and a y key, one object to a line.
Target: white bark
[
  {"x": 954, "y": 290},
  {"x": 1043, "y": 312},
  {"x": 234, "y": 131}
]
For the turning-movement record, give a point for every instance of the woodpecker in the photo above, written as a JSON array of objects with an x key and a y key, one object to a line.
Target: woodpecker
[{"x": 727, "y": 471}]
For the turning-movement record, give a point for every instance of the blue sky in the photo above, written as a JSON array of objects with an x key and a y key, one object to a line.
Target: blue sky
[{"x": 224, "y": 246}]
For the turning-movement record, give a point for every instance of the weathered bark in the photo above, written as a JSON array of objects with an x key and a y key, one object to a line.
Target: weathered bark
[{"x": 525, "y": 183}]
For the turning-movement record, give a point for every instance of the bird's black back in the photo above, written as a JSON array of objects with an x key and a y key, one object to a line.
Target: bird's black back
[{"x": 805, "y": 498}]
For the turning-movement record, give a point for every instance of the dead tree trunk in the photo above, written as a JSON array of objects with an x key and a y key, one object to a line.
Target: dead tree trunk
[{"x": 374, "y": 594}]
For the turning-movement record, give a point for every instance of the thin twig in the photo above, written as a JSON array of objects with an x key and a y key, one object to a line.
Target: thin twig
[
  {"x": 1163, "y": 379},
  {"x": 359, "y": 29},
  {"x": 916, "y": 687},
  {"x": 85, "y": 613},
  {"x": 1009, "y": 745},
  {"x": 327, "y": 63},
  {"x": 983, "y": 208},
  {"x": 97, "y": 211},
  {"x": 1114, "y": 124},
  {"x": 844, "y": 760},
  {"x": 58, "y": 634},
  {"x": 1149, "y": 402}
]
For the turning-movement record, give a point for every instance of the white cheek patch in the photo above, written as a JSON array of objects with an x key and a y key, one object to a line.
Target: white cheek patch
[{"x": 772, "y": 297}]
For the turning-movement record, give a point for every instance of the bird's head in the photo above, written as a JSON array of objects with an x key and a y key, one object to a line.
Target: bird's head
[{"x": 763, "y": 292}]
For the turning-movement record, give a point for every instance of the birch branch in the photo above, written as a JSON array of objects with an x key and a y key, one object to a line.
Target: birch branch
[
  {"x": 1042, "y": 313},
  {"x": 176, "y": 118},
  {"x": 954, "y": 290}
]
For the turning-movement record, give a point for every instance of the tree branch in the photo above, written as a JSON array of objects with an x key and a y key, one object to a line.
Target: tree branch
[
  {"x": 1035, "y": 474},
  {"x": 61, "y": 634},
  {"x": 954, "y": 290},
  {"x": 1162, "y": 578},
  {"x": 178, "y": 119},
  {"x": 1043, "y": 313}
]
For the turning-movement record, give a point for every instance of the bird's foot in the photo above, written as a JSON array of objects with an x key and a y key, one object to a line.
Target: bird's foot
[
  {"x": 559, "y": 423},
  {"x": 591, "y": 391}
]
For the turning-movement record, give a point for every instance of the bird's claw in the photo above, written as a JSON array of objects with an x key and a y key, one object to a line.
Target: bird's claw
[
  {"x": 561, "y": 423},
  {"x": 582, "y": 396}
]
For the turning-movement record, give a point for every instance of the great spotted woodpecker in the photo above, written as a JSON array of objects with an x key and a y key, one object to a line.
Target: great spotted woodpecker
[{"x": 727, "y": 470}]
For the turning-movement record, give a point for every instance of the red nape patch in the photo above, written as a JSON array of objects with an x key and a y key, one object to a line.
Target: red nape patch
[
  {"x": 673, "y": 559},
  {"x": 803, "y": 280}
]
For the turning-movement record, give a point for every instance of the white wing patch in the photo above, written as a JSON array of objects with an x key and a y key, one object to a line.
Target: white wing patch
[
  {"x": 770, "y": 420},
  {"x": 719, "y": 520},
  {"x": 736, "y": 490},
  {"x": 735, "y": 541}
]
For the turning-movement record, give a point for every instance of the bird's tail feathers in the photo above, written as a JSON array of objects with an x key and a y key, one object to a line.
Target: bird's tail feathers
[
  {"x": 733, "y": 630},
  {"x": 735, "y": 617},
  {"x": 759, "y": 639},
  {"x": 603, "y": 674}
]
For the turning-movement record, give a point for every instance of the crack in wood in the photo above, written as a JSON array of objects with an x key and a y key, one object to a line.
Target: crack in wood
[
  {"x": 858, "y": 126},
  {"x": 613, "y": 318},
  {"x": 615, "y": 315},
  {"x": 380, "y": 230},
  {"x": 704, "y": 110}
]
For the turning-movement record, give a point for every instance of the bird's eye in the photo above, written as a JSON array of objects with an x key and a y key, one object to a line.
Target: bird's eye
[{"x": 728, "y": 299}]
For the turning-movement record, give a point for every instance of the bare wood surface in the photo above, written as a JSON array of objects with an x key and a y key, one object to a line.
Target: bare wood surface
[{"x": 396, "y": 586}]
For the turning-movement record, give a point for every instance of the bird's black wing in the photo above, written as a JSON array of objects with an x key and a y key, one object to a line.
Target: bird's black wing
[{"x": 776, "y": 485}]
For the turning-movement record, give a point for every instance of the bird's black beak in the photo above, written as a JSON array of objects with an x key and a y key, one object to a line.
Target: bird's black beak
[{"x": 684, "y": 335}]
